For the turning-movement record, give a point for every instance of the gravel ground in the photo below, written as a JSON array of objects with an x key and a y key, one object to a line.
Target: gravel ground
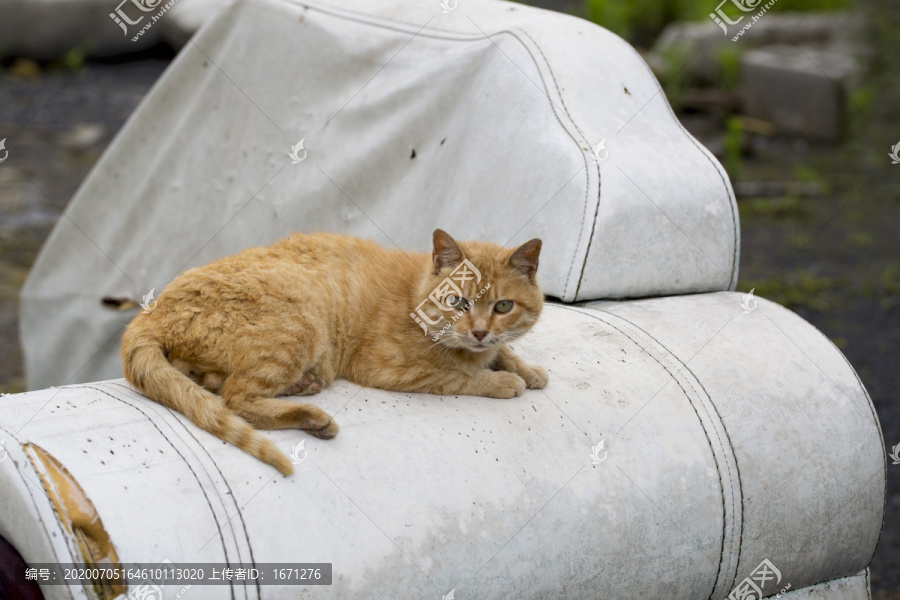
[
  {"x": 57, "y": 122},
  {"x": 832, "y": 258}
]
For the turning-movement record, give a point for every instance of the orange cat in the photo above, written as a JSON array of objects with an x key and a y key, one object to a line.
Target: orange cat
[{"x": 226, "y": 338}]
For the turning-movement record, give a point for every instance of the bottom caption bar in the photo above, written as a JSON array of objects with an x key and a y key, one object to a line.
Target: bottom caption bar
[{"x": 168, "y": 573}]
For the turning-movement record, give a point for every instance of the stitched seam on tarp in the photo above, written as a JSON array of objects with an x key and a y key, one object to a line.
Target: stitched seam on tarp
[
  {"x": 31, "y": 495},
  {"x": 691, "y": 139},
  {"x": 871, "y": 410},
  {"x": 702, "y": 426},
  {"x": 587, "y": 248},
  {"x": 708, "y": 440},
  {"x": 732, "y": 204},
  {"x": 881, "y": 434},
  {"x": 188, "y": 464},
  {"x": 447, "y": 35},
  {"x": 740, "y": 489},
  {"x": 725, "y": 448},
  {"x": 224, "y": 479}
]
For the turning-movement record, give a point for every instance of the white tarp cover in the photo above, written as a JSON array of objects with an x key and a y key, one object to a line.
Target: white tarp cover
[
  {"x": 484, "y": 121},
  {"x": 728, "y": 439}
]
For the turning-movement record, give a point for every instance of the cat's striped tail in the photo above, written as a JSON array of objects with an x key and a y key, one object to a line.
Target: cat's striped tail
[{"x": 147, "y": 369}]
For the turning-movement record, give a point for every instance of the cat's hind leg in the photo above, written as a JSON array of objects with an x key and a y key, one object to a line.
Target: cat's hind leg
[
  {"x": 210, "y": 380},
  {"x": 314, "y": 379},
  {"x": 308, "y": 385},
  {"x": 252, "y": 397}
]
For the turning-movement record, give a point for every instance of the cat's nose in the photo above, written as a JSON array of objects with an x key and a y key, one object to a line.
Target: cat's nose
[{"x": 480, "y": 334}]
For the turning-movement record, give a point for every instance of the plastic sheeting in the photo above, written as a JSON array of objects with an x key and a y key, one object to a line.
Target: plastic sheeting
[
  {"x": 728, "y": 438},
  {"x": 493, "y": 121}
]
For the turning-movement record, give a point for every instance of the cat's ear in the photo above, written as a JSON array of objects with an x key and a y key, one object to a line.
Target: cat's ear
[
  {"x": 447, "y": 252},
  {"x": 525, "y": 258}
]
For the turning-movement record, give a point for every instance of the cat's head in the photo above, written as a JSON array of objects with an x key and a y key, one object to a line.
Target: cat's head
[{"x": 478, "y": 295}]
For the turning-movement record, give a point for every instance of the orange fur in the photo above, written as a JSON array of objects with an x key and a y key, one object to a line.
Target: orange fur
[{"x": 226, "y": 338}]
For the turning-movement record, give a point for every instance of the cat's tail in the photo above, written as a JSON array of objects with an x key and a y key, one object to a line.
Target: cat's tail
[{"x": 147, "y": 368}]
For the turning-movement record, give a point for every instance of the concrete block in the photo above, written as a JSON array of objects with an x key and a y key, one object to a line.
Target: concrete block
[
  {"x": 802, "y": 90},
  {"x": 696, "y": 48}
]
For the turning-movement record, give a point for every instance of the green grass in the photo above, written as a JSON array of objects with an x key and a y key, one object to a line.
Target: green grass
[
  {"x": 640, "y": 21},
  {"x": 733, "y": 142},
  {"x": 775, "y": 208},
  {"x": 800, "y": 289}
]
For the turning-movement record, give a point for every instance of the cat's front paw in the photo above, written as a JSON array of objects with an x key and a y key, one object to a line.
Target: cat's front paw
[
  {"x": 535, "y": 377},
  {"x": 503, "y": 384}
]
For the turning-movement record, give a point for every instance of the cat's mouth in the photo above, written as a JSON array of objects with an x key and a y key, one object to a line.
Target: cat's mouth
[
  {"x": 466, "y": 342},
  {"x": 480, "y": 346}
]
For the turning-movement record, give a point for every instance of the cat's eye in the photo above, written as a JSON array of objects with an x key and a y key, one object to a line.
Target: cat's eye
[
  {"x": 457, "y": 302},
  {"x": 504, "y": 306}
]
